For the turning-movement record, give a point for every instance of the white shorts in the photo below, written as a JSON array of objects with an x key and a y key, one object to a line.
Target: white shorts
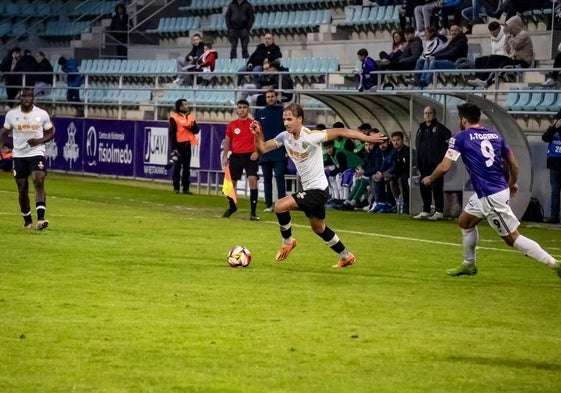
[{"x": 496, "y": 209}]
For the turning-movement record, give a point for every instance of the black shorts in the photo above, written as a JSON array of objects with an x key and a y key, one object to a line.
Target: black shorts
[
  {"x": 25, "y": 165},
  {"x": 241, "y": 162},
  {"x": 312, "y": 202}
]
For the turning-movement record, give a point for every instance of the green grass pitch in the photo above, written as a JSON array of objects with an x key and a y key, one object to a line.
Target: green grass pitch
[{"x": 128, "y": 290}]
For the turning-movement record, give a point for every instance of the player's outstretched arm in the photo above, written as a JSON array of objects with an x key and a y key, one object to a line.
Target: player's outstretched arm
[
  {"x": 334, "y": 133},
  {"x": 261, "y": 145}
]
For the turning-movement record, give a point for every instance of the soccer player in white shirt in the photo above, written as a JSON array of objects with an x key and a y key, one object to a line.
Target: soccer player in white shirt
[
  {"x": 304, "y": 147},
  {"x": 31, "y": 128}
]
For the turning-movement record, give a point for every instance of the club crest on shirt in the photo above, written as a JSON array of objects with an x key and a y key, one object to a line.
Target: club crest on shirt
[
  {"x": 38, "y": 119},
  {"x": 237, "y": 131}
]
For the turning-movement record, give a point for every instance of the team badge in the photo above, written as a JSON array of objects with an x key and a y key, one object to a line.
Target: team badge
[
  {"x": 237, "y": 131},
  {"x": 38, "y": 119},
  {"x": 40, "y": 165}
]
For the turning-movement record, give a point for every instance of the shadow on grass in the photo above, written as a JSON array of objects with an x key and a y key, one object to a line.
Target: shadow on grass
[{"x": 506, "y": 362}]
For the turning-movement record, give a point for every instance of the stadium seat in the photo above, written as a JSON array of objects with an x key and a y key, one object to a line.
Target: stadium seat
[
  {"x": 535, "y": 100},
  {"x": 523, "y": 100},
  {"x": 511, "y": 99},
  {"x": 548, "y": 101}
]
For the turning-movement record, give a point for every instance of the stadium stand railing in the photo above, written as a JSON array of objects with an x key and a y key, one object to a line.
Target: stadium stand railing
[{"x": 141, "y": 89}]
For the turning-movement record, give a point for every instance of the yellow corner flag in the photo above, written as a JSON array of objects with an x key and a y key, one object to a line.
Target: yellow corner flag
[{"x": 228, "y": 186}]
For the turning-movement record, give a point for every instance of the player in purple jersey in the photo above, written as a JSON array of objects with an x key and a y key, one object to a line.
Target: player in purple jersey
[{"x": 483, "y": 152}]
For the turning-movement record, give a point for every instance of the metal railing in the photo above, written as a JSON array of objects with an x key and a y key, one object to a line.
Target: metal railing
[{"x": 102, "y": 84}]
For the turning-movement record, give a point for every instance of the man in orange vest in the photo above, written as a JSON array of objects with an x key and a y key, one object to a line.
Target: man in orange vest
[{"x": 182, "y": 131}]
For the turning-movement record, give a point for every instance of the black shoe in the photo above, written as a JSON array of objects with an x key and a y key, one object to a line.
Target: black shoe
[
  {"x": 551, "y": 221},
  {"x": 229, "y": 212},
  {"x": 253, "y": 217},
  {"x": 187, "y": 192}
]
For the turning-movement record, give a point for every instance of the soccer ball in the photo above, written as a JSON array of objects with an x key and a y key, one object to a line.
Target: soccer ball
[{"x": 239, "y": 256}]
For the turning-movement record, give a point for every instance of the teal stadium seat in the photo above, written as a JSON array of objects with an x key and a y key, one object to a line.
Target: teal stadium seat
[
  {"x": 535, "y": 100},
  {"x": 547, "y": 102},
  {"x": 523, "y": 100}
]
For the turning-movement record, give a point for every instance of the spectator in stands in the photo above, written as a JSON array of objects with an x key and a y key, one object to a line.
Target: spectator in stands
[
  {"x": 13, "y": 81},
  {"x": 553, "y": 138},
  {"x": 182, "y": 135},
  {"x": 551, "y": 77},
  {"x": 205, "y": 63},
  {"x": 471, "y": 14},
  {"x": 434, "y": 43},
  {"x": 407, "y": 11},
  {"x": 239, "y": 21},
  {"x": 431, "y": 144},
  {"x": 270, "y": 80},
  {"x": 266, "y": 50},
  {"x": 188, "y": 62},
  {"x": 43, "y": 82},
  {"x": 398, "y": 44},
  {"x": 73, "y": 81},
  {"x": 410, "y": 54},
  {"x": 443, "y": 59},
  {"x": 519, "y": 49},
  {"x": 27, "y": 66},
  {"x": 423, "y": 15},
  {"x": 442, "y": 12},
  {"x": 514, "y": 7},
  {"x": 365, "y": 79},
  {"x": 119, "y": 30},
  {"x": 498, "y": 54},
  {"x": 401, "y": 166},
  {"x": 273, "y": 162}
]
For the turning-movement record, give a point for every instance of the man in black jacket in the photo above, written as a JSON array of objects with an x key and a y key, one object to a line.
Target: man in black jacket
[
  {"x": 431, "y": 145},
  {"x": 444, "y": 59},
  {"x": 43, "y": 81},
  {"x": 267, "y": 50},
  {"x": 189, "y": 62},
  {"x": 239, "y": 20},
  {"x": 411, "y": 53},
  {"x": 553, "y": 137},
  {"x": 270, "y": 80}
]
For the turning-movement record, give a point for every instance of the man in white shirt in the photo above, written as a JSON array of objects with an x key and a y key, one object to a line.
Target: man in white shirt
[
  {"x": 31, "y": 128},
  {"x": 304, "y": 148}
]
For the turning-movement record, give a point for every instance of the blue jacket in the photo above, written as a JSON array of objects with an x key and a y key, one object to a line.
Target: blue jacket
[
  {"x": 74, "y": 79},
  {"x": 272, "y": 124}
]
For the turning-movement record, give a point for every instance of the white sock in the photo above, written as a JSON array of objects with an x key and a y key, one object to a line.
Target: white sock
[
  {"x": 470, "y": 237},
  {"x": 533, "y": 250}
]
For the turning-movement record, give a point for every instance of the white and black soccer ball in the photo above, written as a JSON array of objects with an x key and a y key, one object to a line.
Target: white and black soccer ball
[{"x": 239, "y": 256}]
